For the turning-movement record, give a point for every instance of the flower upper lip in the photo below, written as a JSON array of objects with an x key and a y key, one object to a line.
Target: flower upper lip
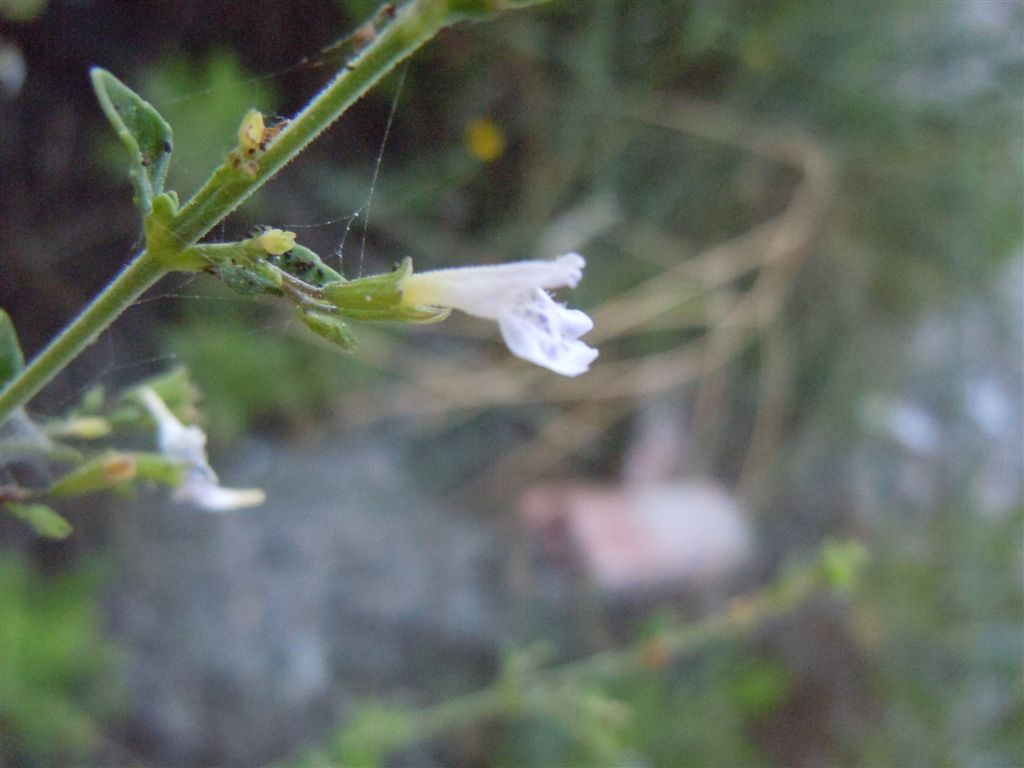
[{"x": 481, "y": 291}]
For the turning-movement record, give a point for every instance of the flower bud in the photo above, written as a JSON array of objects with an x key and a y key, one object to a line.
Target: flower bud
[
  {"x": 276, "y": 241},
  {"x": 250, "y": 132},
  {"x": 84, "y": 427}
]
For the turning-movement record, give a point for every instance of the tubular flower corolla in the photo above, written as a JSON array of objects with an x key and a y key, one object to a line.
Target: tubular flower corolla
[
  {"x": 187, "y": 444},
  {"x": 534, "y": 326}
]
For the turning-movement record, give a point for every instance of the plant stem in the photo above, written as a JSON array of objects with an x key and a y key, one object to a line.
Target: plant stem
[
  {"x": 742, "y": 615},
  {"x": 142, "y": 272},
  {"x": 415, "y": 24}
]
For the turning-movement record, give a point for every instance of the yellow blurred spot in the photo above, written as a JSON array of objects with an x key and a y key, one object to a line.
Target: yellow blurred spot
[
  {"x": 758, "y": 52},
  {"x": 485, "y": 140},
  {"x": 86, "y": 427}
]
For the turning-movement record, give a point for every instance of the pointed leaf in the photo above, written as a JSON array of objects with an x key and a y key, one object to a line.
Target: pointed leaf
[
  {"x": 142, "y": 130},
  {"x": 97, "y": 474},
  {"x": 41, "y": 517},
  {"x": 12, "y": 361}
]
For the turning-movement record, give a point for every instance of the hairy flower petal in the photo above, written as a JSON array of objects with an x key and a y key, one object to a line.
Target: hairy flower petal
[{"x": 541, "y": 331}]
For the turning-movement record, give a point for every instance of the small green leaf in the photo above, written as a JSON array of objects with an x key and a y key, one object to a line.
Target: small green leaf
[
  {"x": 41, "y": 517},
  {"x": 12, "y": 361},
  {"x": 144, "y": 133},
  {"x": 96, "y": 474}
]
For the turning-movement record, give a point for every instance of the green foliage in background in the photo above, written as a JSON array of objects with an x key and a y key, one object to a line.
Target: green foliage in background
[
  {"x": 253, "y": 371},
  {"x": 203, "y": 101},
  {"x": 698, "y": 713},
  {"x": 57, "y": 679},
  {"x": 942, "y": 621}
]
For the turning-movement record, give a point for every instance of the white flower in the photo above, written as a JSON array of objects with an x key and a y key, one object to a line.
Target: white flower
[
  {"x": 533, "y": 325},
  {"x": 200, "y": 485}
]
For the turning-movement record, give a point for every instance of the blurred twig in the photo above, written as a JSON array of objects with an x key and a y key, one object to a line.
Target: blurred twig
[{"x": 526, "y": 688}]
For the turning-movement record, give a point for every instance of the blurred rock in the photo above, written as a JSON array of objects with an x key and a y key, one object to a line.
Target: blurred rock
[
  {"x": 251, "y": 633},
  {"x": 956, "y": 419},
  {"x": 639, "y": 538}
]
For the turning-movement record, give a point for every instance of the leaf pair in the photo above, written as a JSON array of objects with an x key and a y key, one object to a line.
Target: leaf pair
[{"x": 144, "y": 133}]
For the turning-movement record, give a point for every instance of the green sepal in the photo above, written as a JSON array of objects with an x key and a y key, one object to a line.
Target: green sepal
[
  {"x": 379, "y": 292},
  {"x": 46, "y": 521},
  {"x": 158, "y": 468},
  {"x": 306, "y": 265},
  {"x": 144, "y": 133},
  {"x": 416, "y": 314},
  {"x": 12, "y": 359},
  {"x": 99, "y": 473},
  {"x": 329, "y": 327}
]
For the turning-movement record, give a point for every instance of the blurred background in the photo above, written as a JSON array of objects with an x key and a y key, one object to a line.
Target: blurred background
[{"x": 803, "y": 230}]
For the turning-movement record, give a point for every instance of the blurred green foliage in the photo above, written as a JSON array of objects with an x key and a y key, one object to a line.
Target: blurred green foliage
[
  {"x": 46, "y": 521},
  {"x": 941, "y": 619},
  {"x": 698, "y": 713},
  {"x": 58, "y": 679},
  {"x": 204, "y": 101},
  {"x": 253, "y": 371}
]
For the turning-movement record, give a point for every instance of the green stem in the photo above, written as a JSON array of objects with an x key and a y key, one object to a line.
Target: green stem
[
  {"x": 740, "y": 617},
  {"x": 414, "y": 24},
  {"x": 142, "y": 272}
]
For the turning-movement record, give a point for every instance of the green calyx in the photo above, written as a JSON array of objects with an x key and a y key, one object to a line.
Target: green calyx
[{"x": 379, "y": 297}]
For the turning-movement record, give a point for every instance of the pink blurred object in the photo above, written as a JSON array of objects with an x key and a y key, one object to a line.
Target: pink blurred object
[{"x": 640, "y": 537}]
